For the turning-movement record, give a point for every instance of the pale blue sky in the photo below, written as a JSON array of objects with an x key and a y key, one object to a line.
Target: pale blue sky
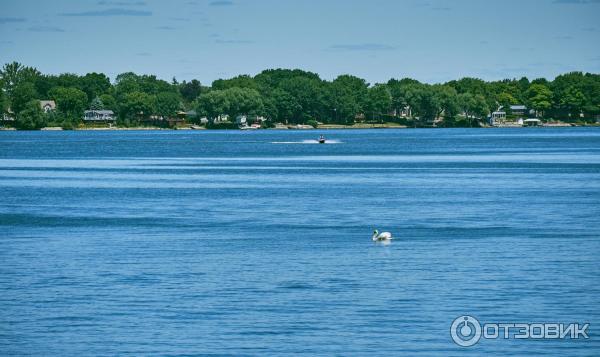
[{"x": 430, "y": 40}]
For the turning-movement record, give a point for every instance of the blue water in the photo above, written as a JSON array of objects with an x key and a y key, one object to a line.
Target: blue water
[{"x": 258, "y": 243}]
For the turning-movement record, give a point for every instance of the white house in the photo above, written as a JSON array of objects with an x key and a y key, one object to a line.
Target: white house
[
  {"x": 497, "y": 116},
  {"x": 518, "y": 109},
  {"x": 47, "y": 105},
  {"x": 241, "y": 120},
  {"x": 8, "y": 116},
  {"x": 532, "y": 122},
  {"x": 99, "y": 116},
  {"x": 405, "y": 112},
  {"x": 221, "y": 118}
]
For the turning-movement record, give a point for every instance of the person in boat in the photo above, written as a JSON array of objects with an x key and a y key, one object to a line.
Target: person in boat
[{"x": 321, "y": 139}]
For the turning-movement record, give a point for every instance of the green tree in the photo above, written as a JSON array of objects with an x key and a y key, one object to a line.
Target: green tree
[
  {"x": 398, "y": 90},
  {"x": 94, "y": 84},
  {"x": 31, "y": 117},
  {"x": 281, "y": 105},
  {"x": 470, "y": 85},
  {"x": 379, "y": 100},
  {"x": 308, "y": 94},
  {"x": 70, "y": 101},
  {"x": 3, "y": 102},
  {"x": 213, "y": 103},
  {"x": 473, "y": 106},
  {"x": 348, "y": 97},
  {"x": 505, "y": 100},
  {"x": 22, "y": 93},
  {"x": 591, "y": 90},
  {"x": 447, "y": 99},
  {"x": 167, "y": 104},
  {"x": 190, "y": 90},
  {"x": 569, "y": 94},
  {"x": 127, "y": 83},
  {"x": 423, "y": 101},
  {"x": 480, "y": 106},
  {"x": 243, "y": 101},
  {"x": 137, "y": 105},
  {"x": 13, "y": 74},
  {"x": 97, "y": 104},
  {"x": 306, "y": 89},
  {"x": 243, "y": 81},
  {"x": 572, "y": 101},
  {"x": 539, "y": 97},
  {"x": 108, "y": 102}
]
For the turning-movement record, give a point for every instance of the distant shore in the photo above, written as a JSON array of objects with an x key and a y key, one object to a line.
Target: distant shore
[{"x": 304, "y": 127}]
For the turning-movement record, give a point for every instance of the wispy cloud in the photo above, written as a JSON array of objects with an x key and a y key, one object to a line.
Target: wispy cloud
[
  {"x": 6, "y": 20},
  {"x": 362, "y": 47},
  {"x": 577, "y": 2},
  {"x": 110, "y": 12},
  {"x": 232, "y": 42},
  {"x": 45, "y": 29},
  {"x": 563, "y": 37},
  {"x": 143, "y": 54},
  {"x": 121, "y": 3},
  {"x": 221, "y": 3},
  {"x": 165, "y": 28}
]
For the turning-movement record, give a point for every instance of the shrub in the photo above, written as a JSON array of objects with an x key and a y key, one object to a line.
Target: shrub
[{"x": 221, "y": 126}]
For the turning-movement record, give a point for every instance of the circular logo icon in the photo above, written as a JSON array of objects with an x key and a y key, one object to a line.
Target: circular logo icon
[{"x": 465, "y": 331}]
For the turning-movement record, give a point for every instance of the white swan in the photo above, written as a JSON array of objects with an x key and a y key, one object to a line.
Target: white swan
[{"x": 383, "y": 236}]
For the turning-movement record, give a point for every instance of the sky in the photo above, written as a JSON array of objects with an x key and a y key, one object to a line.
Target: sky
[{"x": 429, "y": 40}]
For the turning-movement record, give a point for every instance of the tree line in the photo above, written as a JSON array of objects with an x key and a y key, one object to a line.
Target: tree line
[{"x": 291, "y": 96}]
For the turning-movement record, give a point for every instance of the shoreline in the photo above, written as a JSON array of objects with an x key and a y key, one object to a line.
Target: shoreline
[
  {"x": 302, "y": 128},
  {"x": 337, "y": 127}
]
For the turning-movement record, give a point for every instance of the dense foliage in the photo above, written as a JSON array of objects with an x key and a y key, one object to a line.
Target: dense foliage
[{"x": 291, "y": 96}]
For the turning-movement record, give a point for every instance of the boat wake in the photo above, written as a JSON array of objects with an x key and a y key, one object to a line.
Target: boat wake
[{"x": 307, "y": 142}]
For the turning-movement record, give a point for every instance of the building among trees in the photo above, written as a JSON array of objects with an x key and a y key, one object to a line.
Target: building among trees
[
  {"x": 47, "y": 105},
  {"x": 99, "y": 116}
]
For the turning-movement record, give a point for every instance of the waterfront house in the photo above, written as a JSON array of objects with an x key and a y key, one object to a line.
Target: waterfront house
[
  {"x": 47, "y": 105},
  {"x": 518, "y": 109},
  {"x": 99, "y": 116},
  {"x": 497, "y": 116},
  {"x": 404, "y": 112},
  {"x": 8, "y": 116},
  {"x": 191, "y": 114},
  {"x": 532, "y": 122},
  {"x": 221, "y": 118},
  {"x": 176, "y": 120},
  {"x": 241, "y": 120}
]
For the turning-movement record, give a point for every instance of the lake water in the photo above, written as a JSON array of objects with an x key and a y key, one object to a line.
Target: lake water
[{"x": 259, "y": 243}]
